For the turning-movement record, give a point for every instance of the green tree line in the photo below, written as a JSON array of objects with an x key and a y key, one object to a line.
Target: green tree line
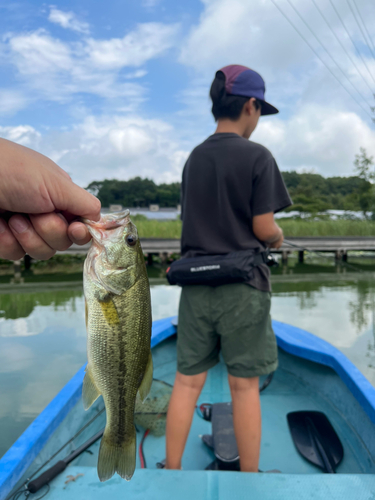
[
  {"x": 310, "y": 192},
  {"x": 314, "y": 193},
  {"x": 136, "y": 192}
]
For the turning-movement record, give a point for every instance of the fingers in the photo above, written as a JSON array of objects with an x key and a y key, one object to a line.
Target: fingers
[
  {"x": 10, "y": 249},
  {"x": 40, "y": 236},
  {"x": 275, "y": 245},
  {"x": 278, "y": 244},
  {"x": 29, "y": 239},
  {"x": 73, "y": 199},
  {"x": 53, "y": 229},
  {"x": 78, "y": 233}
]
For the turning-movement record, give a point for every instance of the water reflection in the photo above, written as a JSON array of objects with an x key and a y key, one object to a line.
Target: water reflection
[
  {"x": 339, "y": 311},
  {"x": 362, "y": 309},
  {"x": 353, "y": 295},
  {"x": 21, "y": 305}
]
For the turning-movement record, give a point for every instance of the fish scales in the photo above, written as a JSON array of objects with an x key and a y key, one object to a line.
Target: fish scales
[{"x": 118, "y": 312}]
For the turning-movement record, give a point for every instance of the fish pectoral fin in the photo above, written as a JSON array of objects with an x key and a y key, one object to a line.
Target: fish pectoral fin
[
  {"x": 110, "y": 312},
  {"x": 90, "y": 392},
  {"x": 146, "y": 383}
]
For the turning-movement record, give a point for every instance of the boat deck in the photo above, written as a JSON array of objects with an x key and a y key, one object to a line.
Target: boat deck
[
  {"x": 200, "y": 485},
  {"x": 286, "y": 393},
  {"x": 298, "y": 384}
]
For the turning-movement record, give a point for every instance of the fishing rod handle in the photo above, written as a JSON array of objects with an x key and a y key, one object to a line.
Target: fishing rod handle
[{"x": 46, "y": 477}]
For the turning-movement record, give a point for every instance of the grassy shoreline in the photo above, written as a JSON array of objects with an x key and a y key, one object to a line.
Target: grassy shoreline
[{"x": 172, "y": 229}]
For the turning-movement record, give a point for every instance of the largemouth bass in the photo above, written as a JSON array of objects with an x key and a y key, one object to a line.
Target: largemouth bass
[{"x": 118, "y": 321}]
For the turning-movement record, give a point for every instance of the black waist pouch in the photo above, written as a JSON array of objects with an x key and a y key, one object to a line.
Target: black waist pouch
[{"x": 215, "y": 270}]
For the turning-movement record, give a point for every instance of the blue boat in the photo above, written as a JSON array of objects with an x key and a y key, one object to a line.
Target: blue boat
[{"x": 312, "y": 375}]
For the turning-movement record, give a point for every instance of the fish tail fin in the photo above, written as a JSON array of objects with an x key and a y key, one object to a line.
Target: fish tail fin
[{"x": 114, "y": 457}]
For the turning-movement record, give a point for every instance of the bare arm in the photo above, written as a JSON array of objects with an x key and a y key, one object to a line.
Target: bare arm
[{"x": 266, "y": 230}]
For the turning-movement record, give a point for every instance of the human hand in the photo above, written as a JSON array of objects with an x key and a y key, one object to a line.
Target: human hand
[
  {"x": 277, "y": 243},
  {"x": 38, "y": 205}
]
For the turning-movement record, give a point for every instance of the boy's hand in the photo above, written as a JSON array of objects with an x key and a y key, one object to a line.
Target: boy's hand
[
  {"x": 38, "y": 205},
  {"x": 277, "y": 244},
  {"x": 267, "y": 231}
]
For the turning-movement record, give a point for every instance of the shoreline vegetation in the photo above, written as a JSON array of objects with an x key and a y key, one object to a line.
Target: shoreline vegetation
[
  {"x": 171, "y": 229},
  {"x": 310, "y": 192}
]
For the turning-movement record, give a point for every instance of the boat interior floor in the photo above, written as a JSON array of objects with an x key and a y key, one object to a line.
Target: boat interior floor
[
  {"x": 285, "y": 394},
  {"x": 300, "y": 479}
]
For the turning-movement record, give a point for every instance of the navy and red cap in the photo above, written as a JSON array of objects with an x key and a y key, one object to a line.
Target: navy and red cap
[{"x": 243, "y": 81}]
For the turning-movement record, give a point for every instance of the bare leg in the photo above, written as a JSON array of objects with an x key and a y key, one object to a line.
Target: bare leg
[
  {"x": 181, "y": 409},
  {"x": 246, "y": 420}
]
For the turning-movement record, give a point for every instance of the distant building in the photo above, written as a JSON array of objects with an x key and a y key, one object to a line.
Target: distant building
[
  {"x": 115, "y": 208},
  {"x": 154, "y": 208}
]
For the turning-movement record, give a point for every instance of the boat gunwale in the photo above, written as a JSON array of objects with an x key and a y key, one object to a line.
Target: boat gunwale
[{"x": 293, "y": 340}]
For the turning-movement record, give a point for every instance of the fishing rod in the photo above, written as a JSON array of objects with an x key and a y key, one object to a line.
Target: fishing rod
[
  {"x": 61, "y": 465},
  {"x": 320, "y": 254},
  {"x": 25, "y": 487}
]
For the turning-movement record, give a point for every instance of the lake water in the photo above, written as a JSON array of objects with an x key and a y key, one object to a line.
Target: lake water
[{"x": 43, "y": 337}]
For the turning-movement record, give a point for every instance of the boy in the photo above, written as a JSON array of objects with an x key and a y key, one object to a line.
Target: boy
[{"x": 231, "y": 188}]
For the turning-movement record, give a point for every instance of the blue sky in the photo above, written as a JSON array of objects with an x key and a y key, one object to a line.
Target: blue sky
[{"x": 118, "y": 89}]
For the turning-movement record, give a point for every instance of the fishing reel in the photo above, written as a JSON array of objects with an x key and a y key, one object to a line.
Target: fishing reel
[{"x": 270, "y": 260}]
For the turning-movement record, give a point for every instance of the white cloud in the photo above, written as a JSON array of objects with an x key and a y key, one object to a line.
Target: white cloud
[
  {"x": 123, "y": 147},
  {"x": 315, "y": 137},
  {"x": 232, "y": 32},
  {"x": 22, "y": 134},
  {"x": 147, "y": 41},
  {"x": 11, "y": 101},
  {"x": 140, "y": 73},
  {"x": 255, "y": 34},
  {"x": 109, "y": 147},
  {"x": 39, "y": 54},
  {"x": 56, "y": 70},
  {"x": 68, "y": 20}
]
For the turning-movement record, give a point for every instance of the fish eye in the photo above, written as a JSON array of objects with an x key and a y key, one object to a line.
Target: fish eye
[{"x": 131, "y": 240}]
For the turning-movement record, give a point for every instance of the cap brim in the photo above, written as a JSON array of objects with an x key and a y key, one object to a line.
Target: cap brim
[{"x": 267, "y": 108}]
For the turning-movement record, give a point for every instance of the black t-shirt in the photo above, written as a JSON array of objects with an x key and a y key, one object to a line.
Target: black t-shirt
[{"x": 225, "y": 182}]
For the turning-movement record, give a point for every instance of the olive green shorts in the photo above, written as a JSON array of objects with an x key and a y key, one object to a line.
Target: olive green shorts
[{"x": 234, "y": 319}]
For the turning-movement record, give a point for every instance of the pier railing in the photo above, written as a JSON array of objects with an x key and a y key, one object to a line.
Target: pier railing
[{"x": 339, "y": 245}]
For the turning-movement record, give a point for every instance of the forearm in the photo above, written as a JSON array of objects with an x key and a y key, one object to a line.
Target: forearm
[
  {"x": 267, "y": 231},
  {"x": 274, "y": 235}
]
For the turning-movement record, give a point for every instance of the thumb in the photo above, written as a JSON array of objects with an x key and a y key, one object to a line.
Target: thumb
[{"x": 75, "y": 200}]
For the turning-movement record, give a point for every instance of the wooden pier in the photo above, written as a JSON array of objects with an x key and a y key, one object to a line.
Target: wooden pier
[{"x": 339, "y": 246}]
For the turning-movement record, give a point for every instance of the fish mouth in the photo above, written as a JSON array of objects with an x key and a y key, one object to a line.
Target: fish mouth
[
  {"x": 110, "y": 221},
  {"x": 102, "y": 229}
]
